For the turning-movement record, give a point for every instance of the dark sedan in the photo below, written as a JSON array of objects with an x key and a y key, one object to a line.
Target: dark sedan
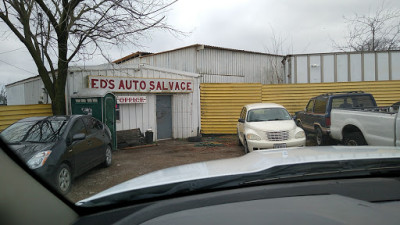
[{"x": 60, "y": 148}]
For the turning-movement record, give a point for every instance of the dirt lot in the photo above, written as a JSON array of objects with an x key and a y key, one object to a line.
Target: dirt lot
[{"x": 134, "y": 162}]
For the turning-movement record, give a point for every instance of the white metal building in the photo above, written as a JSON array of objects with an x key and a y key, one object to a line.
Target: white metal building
[
  {"x": 173, "y": 77},
  {"x": 343, "y": 67},
  {"x": 142, "y": 107},
  {"x": 215, "y": 64}
]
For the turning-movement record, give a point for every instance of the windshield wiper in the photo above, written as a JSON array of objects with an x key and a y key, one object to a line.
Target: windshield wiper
[{"x": 278, "y": 174}]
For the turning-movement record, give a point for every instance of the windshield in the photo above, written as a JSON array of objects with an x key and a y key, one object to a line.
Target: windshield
[
  {"x": 33, "y": 131},
  {"x": 268, "y": 114},
  {"x": 195, "y": 81}
]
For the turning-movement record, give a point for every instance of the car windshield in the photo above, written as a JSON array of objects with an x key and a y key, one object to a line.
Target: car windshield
[
  {"x": 143, "y": 88},
  {"x": 33, "y": 131},
  {"x": 268, "y": 114}
]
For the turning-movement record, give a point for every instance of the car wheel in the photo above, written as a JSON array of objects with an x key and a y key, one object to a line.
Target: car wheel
[
  {"x": 63, "y": 179},
  {"x": 354, "y": 139},
  {"x": 108, "y": 155},
  {"x": 238, "y": 139},
  {"x": 245, "y": 146},
  {"x": 320, "y": 137}
]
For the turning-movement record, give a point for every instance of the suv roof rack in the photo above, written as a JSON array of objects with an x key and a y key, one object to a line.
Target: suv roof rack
[{"x": 342, "y": 92}]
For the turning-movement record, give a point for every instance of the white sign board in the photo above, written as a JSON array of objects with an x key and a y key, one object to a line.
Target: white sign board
[
  {"x": 144, "y": 85},
  {"x": 131, "y": 99}
]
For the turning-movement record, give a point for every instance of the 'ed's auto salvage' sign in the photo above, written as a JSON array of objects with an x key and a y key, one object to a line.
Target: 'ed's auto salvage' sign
[{"x": 128, "y": 84}]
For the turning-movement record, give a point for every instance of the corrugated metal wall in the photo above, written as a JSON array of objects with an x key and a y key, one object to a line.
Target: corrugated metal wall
[
  {"x": 221, "y": 103},
  {"x": 219, "y": 65},
  {"x": 11, "y": 114},
  {"x": 343, "y": 67},
  {"x": 185, "y": 107}
]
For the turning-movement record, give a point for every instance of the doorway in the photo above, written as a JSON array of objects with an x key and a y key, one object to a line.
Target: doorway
[{"x": 164, "y": 116}]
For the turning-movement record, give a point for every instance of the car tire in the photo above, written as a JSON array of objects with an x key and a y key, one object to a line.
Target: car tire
[
  {"x": 354, "y": 139},
  {"x": 108, "y": 159},
  {"x": 245, "y": 146},
  {"x": 63, "y": 180},
  {"x": 238, "y": 139},
  {"x": 320, "y": 138}
]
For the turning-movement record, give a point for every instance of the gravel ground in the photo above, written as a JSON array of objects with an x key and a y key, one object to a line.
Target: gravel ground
[{"x": 134, "y": 162}]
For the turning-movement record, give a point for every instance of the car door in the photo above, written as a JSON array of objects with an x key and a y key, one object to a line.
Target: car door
[
  {"x": 307, "y": 119},
  {"x": 240, "y": 128},
  {"x": 96, "y": 141},
  {"x": 78, "y": 149}
]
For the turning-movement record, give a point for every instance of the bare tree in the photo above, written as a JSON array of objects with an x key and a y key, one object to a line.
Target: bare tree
[
  {"x": 277, "y": 45},
  {"x": 374, "y": 32},
  {"x": 3, "y": 95},
  {"x": 55, "y": 32}
]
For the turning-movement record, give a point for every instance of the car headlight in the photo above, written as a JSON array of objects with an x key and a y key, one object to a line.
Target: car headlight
[
  {"x": 253, "y": 137},
  {"x": 38, "y": 159},
  {"x": 300, "y": 134}
]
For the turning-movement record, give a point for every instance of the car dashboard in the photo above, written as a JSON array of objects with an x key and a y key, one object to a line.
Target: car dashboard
[{"x": 370, "y": 200}]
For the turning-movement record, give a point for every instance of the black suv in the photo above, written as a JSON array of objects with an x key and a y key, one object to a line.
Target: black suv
[{"x": 316, "y": 117}]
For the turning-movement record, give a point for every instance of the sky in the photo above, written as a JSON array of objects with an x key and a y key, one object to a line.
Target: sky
[{"x": 304, "y": 26}]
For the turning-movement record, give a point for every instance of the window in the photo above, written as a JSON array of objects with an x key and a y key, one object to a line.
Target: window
[
  {"x": 92, "y": 125},
  {"x": 268, "y": 114},
  {"x": 320, "y": 105},
  {"x": 310, "y": 106},
  {"x": 243, "y": 113},
  {"x": 77, "y": 128}
]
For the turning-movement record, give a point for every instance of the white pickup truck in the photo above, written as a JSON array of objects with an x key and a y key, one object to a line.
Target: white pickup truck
[{"x": 378, "y": 126}]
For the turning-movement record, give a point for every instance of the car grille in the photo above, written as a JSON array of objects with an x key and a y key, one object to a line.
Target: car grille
[{"x": 278, "y": 135}]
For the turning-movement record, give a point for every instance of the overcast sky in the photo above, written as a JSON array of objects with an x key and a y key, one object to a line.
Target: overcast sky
[{"x": 306, "y": 26}]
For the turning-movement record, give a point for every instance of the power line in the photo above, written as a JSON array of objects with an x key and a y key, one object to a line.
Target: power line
[
  {"x": 17, "y": 67},
  {"x": 12, "y": 50}
]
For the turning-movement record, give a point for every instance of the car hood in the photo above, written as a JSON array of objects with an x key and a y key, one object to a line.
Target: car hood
[
  {"x": 277, "y": 125},
  {"x": 26, "y": 150},
  {"x": 250, "y": 163}
]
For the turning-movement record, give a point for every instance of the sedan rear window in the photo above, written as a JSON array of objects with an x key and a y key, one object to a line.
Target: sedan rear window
[{"x": 267, "y": 114}]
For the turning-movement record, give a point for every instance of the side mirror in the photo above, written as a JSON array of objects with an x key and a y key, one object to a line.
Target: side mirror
[
  {"x": 78, "y": 137},
  {"x": 241, "y": 120}
]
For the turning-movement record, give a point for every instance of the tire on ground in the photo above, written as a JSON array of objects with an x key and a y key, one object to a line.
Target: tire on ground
[
  {"x": 354, "y": 138},
  {"x": 63, "y": 179}
]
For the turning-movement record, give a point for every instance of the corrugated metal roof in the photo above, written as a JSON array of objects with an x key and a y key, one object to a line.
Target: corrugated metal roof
[
  {"x": 131, "y": 56},
  {"x": 198, "y": 46}
]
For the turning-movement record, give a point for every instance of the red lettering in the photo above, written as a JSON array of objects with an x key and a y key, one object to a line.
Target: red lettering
[
  {"x": 183, "y": 86},
  {"x": 152, "y": 85},
  {"x": 143, "y": 85},
  {"x": 121, "y": 85},
  {"x": 188, "y": 86},
  {"x": 111, "y": 84},
  {"x": 158, "y": 86},
  {"x": 103, "y": 83},
  {"x": 164, "y": 88},
  {"x": 177, "y": 86},
  {"x": 128, "y": 84},
  {"x": 93, "y": 83},
  {"x": 136, "y": 81},
  {"x": 171, "y": 85}
]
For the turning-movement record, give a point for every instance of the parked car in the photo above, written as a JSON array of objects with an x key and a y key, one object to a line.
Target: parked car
[
  {"x": 378, "y": 126},
  {"x": 60, "y": 148},
  {"x": 395, "y": 106},
  {"x": 268, "y": 125},
  {"x": 316, "y": 117},
  {"x": 311, "y": 185}
]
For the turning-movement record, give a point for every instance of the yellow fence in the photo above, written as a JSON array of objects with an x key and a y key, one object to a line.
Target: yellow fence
[
  {"x": 221, "y": 103},
  {"x": 13, "y": 113}
]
